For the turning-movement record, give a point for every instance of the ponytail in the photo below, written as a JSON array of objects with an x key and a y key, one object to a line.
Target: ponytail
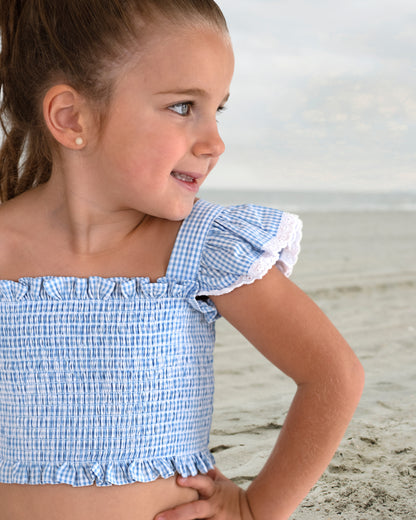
[
  {"x": 24, "y": 160},
  {"x": 10, "y": 11}
]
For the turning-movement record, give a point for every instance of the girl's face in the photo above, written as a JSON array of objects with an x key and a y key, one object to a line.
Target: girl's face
[{"x": 160, "y": 139}]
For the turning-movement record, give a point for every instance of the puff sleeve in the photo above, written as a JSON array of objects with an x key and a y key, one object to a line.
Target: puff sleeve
[{"x": 243, "y": 243}]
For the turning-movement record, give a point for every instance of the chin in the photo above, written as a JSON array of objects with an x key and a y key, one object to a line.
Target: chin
[{"x": 177, "y": 212}]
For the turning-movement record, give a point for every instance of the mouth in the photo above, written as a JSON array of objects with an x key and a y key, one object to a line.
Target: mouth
[{"x": 183, "y": 177}]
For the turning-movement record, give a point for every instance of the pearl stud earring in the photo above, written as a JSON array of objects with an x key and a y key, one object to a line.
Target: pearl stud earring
[{"x": 79, "y": 141}]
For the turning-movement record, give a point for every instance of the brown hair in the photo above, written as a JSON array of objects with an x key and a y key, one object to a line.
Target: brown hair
[{"x": 76, "y": 42}]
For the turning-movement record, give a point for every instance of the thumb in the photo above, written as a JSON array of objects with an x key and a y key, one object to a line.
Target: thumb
[{"x": 216, "y": 474}]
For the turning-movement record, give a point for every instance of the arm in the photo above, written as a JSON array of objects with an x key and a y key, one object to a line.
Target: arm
[{"x": 292, "y": 332}]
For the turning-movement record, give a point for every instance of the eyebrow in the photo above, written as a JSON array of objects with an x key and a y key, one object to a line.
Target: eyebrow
[{"x": 190, "y": 92}]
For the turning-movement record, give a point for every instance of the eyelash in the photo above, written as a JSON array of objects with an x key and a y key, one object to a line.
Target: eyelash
[{"x": 190, "y": 105}]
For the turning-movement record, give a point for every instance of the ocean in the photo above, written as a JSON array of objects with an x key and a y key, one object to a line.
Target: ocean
[{"x": 315, "y": 201}]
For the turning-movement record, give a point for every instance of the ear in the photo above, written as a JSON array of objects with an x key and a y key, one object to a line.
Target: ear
[{"x": 66, "y": 114}]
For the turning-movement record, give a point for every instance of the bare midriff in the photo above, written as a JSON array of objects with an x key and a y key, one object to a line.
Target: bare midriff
[{"x": 139, "y": 501}]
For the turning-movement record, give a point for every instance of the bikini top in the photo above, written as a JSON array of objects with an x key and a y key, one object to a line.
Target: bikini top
[{"x": 110, "y": 380}]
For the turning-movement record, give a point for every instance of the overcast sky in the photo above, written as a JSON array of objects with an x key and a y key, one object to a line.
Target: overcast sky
[{"x": 324, "y": 95}]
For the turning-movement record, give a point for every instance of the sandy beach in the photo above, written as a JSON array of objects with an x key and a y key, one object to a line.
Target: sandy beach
[{"x": 360, "y": 268}]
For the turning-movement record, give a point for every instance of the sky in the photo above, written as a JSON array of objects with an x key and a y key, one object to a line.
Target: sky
[{"x": 323, "y": 97}]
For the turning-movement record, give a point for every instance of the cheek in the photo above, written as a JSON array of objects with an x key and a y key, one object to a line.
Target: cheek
[
  {"x": 144, "y": 146},
  {"x": 213, "y": 163}
]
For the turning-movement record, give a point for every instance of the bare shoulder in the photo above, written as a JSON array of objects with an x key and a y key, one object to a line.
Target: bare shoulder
[
  {"x": 16, "y": 221},
  {"x": 12, "y": 219}
]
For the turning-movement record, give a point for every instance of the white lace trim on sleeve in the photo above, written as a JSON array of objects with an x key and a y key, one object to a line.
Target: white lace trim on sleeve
[{"x": 282, "y": 251}]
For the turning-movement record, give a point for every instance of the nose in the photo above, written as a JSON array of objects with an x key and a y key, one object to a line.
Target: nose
[{"x": 208, "y": 142}]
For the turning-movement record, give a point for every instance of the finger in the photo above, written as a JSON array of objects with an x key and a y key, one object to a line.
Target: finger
[
  {"x": 192, "y": 511},
  {"x": 202, "y": 483},
  {"x": 216, "y": 474}
]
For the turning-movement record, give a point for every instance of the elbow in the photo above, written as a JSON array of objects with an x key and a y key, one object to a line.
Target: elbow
[
  {"x": 360, "y": 377},
  {"x": 343, "y": 380},
  {"x": 351, "y": 381}
]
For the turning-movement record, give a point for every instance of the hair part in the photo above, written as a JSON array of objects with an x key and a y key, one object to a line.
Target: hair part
[{"x": 77, "y": 42}]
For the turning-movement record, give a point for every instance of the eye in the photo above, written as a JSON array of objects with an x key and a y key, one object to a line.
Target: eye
[
  {"x": 220, "y": 110},
  {"x": 183, "y": 109}
]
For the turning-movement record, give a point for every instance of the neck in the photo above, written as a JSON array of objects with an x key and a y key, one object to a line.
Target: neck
[{"x": 85, "y": 219}]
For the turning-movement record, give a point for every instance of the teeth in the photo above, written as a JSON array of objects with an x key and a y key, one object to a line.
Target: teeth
[{"x": 182, "y": 177}]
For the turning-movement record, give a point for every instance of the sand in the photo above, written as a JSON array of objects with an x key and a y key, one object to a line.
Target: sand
[{"x": 361, "y": 270}]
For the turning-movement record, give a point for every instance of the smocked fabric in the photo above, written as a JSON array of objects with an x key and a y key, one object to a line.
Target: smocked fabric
[{"x": 110, "y": 380}]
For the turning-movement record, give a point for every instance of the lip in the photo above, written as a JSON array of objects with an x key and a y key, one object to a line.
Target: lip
[{"x": 191, "y": 186}]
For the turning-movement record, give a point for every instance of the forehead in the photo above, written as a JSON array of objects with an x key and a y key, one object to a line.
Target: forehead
[{"x": 193, "y": 55}]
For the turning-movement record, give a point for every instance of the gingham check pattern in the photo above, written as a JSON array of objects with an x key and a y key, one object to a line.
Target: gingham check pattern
[{"x": 110, "y": 381}]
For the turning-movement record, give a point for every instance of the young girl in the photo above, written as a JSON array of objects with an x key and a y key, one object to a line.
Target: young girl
[{"x": 113, "y": 274}]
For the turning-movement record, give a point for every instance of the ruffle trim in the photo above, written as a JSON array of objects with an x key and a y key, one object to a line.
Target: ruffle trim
[
  {"x": 107, "y": 474},
  {"x": 281, "y": 251},
  {"x": 94, "y": 288}
]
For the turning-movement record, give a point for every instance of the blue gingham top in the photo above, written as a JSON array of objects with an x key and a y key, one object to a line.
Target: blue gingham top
[{"x": 110, "y": 380}]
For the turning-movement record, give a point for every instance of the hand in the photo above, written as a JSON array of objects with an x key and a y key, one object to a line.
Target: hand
[{"x": 219, "y": 499}]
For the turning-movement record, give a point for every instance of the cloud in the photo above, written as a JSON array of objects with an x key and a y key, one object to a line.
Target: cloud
[{"x": 324, "y": 91}]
